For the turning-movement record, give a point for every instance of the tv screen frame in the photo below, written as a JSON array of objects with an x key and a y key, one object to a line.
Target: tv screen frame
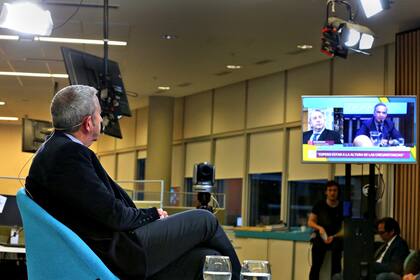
[
  {"x": 347, "y": 117},
  {"x": 87, "y": 69},
  {"x": 10, "y": 216},
  {"x": 34, "y": 133}
]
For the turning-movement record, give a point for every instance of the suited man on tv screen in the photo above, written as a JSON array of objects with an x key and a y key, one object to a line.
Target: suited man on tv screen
[
  {"x": 380, "y": 123},
  {"x": 318, "y": 131}
]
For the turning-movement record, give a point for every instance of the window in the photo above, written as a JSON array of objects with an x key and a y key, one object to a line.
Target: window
[
  {"x": 232, "y": 188},
  {"x": 303, "y": 196},
  {"x": 265, "y": 197}
]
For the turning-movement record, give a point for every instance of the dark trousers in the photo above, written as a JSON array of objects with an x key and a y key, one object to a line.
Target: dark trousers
[
  {"x": 319, "y": 249},
  {"x": 176, "y": 246}
]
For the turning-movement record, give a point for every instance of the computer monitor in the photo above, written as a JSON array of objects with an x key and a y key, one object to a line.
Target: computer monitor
[
  {"x": 34, "y": 133},
  {"x": 359, "y": 129},
  {"x": 87, "y": 69},
  {"x": 10, "y": 216}
]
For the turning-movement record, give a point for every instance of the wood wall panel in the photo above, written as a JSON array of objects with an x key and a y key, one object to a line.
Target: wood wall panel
[{"x": 407, "y": 183}]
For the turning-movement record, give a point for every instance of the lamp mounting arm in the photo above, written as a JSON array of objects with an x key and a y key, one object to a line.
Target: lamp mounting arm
[{"x": 331, "y": 6}]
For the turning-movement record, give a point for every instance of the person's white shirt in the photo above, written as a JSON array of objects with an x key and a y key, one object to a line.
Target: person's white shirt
[{"x": 379, "y": 260}]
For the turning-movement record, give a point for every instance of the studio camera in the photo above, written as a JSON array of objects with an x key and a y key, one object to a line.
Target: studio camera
[{"x": 203, "y": 182}]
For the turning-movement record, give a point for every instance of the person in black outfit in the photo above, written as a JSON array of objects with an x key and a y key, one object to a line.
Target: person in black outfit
[
  {"x": 326, "y": 219},
  {"x": 68, "y": 181},
  {"x": 318, "y": 131}
]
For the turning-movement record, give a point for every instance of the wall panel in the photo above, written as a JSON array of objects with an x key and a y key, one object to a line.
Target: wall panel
[
  {"x": 266, "y": 100},
  {"x": 229, "y": 108},
  {"x": 230, "y": 158},
  {"x": 266, "y": 152},
  {"x": 407, "y": 182},
  {"x": 307, "y": 80},
  {"x": 197, "y": 116}
]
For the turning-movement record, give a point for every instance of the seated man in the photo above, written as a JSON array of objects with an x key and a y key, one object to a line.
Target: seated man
[
  {"x": 68, "y": 181},
  {"x": 380, "y": 123},
  {"x": 389, "y": 258},
  {"x": 319, "y": 132}
]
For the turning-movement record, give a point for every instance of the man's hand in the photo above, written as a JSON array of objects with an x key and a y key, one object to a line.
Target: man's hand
[
  {"x": 329, "y": 240},
  {"x": 162, "y": 213},
  {"x": 409, "y": 277}
]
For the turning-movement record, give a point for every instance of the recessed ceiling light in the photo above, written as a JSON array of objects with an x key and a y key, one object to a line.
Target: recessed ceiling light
[
  {"x": 2, "y": 103},
  {"x": 164, "y": 88},
  {"x": 232, "y": 66},
  {"x": 169, "y": 36},
  {"x": 38, "y": 75},
  {"x": 304, "y": 47},
  {"x": 8, "y": 119}
]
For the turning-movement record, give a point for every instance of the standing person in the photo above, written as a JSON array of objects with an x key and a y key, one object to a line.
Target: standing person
[
  {"x": 326, "y": 219},
  {"x": 318, "y": 131},
  {"x": 68, "y": 181},
  {"x": 379, "y": 122}
]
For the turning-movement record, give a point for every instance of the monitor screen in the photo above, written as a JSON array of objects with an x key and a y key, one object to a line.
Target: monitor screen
[
  {"x": 9, "y": 214},
  {"x": 34, "y": 133},
  {"x": 359, "y": 129},
  {"x": 87, "y": 69}
]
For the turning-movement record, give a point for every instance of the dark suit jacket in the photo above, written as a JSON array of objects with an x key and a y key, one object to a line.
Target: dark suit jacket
[
  {"x": 394, "y": 257},
  {"x": 326, "y": 135},
  {"x": 388, "y": 130},
  {"x": 68, "y": 181}
]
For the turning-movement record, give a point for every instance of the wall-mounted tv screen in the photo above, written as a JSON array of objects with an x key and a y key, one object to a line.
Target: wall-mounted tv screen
[
  {"x": 34, "y": 133},
  {"x": 359, "y": 129},
  {"x": 87, "y": 69}
]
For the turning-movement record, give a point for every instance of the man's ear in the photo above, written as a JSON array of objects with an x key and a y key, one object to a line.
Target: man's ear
[{"x": 87, "y": 123}]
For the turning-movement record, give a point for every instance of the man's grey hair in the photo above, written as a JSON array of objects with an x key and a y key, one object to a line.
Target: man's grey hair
[
  {"x": 70, "y": 105},
  {"x": 316, "y": 110}
]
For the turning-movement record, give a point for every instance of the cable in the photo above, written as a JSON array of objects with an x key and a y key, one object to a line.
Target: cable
[
  {"x": 216, "y": 207},
  {"x": 69, "y": 18},
  {"x": 30, "y": 159}
]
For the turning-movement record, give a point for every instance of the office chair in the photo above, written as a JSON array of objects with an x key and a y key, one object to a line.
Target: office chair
[{"x": 53, "y": 251}]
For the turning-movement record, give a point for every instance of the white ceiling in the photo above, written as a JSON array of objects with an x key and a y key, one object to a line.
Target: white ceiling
[{"x": 211, "y": 34}]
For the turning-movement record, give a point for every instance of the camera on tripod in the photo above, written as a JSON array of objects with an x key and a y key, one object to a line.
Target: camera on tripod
[{"x": 203, "y": 182}]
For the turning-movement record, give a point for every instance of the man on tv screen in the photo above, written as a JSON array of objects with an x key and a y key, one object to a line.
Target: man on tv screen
[
  {"x": 319, "y": 132},
  {"x": 379, "y": 130}
]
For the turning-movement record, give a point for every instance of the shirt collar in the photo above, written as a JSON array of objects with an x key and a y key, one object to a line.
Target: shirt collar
[{"x": 74, "y": 139}]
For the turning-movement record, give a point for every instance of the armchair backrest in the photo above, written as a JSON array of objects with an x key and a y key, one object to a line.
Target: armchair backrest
[{"x": 53, "y": 251}]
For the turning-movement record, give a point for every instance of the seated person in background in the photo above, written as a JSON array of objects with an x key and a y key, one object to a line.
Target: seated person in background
[
  {"x": 390, "y": 257},
  {"x": 412, "y": 268},
  {"x": 326, "y": 219},
  {"x": 319, "y": 132},
  {"x": 380, "y": 123},
  {"x": 68, "y": 181}
]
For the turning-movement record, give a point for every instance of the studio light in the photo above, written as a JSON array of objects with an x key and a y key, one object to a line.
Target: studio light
[
  {"x": 26, "y": 17},
  {"x": 372, "y": 7},
  {"x": 339, "y": 35},
  {"x": 354, "y": 36}
]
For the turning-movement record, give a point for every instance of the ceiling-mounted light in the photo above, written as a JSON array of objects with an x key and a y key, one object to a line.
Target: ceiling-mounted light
[
  {"x": 233, "y": 66},
  {"x": 64, "y": 40},
  {"x": 35, "y": 75},
  {"x": 339, "y": 35},
  {"x": 2, "y": 103},
  {"x": 164, "y": 88},
  {"x": 26, "y": 17},
  {"x": 353, "y": 35},
  {"x": 372, "y": 7},
  {"x": 9, "y": 118}
]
